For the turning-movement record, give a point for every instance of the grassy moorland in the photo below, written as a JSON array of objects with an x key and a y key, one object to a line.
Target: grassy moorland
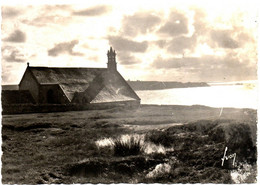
[{"x": 164, "y": 144}]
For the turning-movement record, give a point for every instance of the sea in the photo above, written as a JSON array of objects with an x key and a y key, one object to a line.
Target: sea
[{"x": 243, "y": 94}]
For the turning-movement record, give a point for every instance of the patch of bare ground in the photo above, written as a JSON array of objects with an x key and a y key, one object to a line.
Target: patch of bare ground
[{"x": 61, "y": 147}]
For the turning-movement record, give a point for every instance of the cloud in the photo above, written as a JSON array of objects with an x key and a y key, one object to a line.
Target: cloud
[
  {"x": 167, "y": 63},
  {"x": 209, "y": 68},
  {"x": 200, "y": 25},
  {"x": 175, "y": 28},
  {"x": 125, "y": 58},
  {"x": 179, "y": 44},
  {"x": 177, "y": 24},
  {"x": 57, "y": 7},
  {"x": 11, "y": 54},
  {"x": 15, "y": 56},
  {"x": 12, "y": 73},
  {"x": 207, "y": 61},
  {"x": 7, "y": 76},
  {"x": 16, "y": 36},
  {"x": 244, "y": 37},
  {"x": 223, "y": 39},
  {"x": 45, "y": 20},
  {"x": 161, "y": 43},
  {"x": 123, "y": 44},
  {"x": 50, "y": 15},
  {"x": 93, "y": 58},
  {"x": 140, "y": 22},
  {"x": 64, "y": 47},
  {"x": 9, "y": 12},
  {"x": 233, "y": 38},
  {"x": 93, "y": 11}
]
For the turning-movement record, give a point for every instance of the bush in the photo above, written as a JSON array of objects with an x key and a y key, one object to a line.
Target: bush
[
  {"x": 130, "y": 145},
  {"x": 160, "y": 138},
  {"x": 238, "y": 138}
]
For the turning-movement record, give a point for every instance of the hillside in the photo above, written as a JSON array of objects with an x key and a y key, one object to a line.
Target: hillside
[
  {"x": 10, "y": 87},
  {"x": 156, "y": 85},
  {"x": 150, "y": 144}
]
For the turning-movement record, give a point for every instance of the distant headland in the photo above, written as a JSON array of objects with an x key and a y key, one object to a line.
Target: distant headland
[{"x": 157, "y": 85}]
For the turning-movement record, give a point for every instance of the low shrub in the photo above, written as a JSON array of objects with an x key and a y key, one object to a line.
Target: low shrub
[
  {"x": 238, "y": 138},
  {"x": 160, "y": 138}
]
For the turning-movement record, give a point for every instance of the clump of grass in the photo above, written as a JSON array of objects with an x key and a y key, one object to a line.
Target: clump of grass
[
  {"x": 128, "y": 145},
  {"x": 106, "y": 142},
  {"x": 134, "y": 144},
  {"x": 124, "y": 145}
]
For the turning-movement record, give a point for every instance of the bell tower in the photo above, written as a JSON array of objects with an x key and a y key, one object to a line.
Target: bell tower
[{"x": 111, "y": 58}]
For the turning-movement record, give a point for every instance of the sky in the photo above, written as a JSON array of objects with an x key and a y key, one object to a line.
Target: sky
[{"x": 186, "y": 41}]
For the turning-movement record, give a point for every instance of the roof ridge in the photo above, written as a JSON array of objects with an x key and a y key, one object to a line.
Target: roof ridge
[{"x": 67, "y": 67}]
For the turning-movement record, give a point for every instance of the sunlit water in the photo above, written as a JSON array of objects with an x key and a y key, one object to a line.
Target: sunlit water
[{"x": 238, "y": 96}]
